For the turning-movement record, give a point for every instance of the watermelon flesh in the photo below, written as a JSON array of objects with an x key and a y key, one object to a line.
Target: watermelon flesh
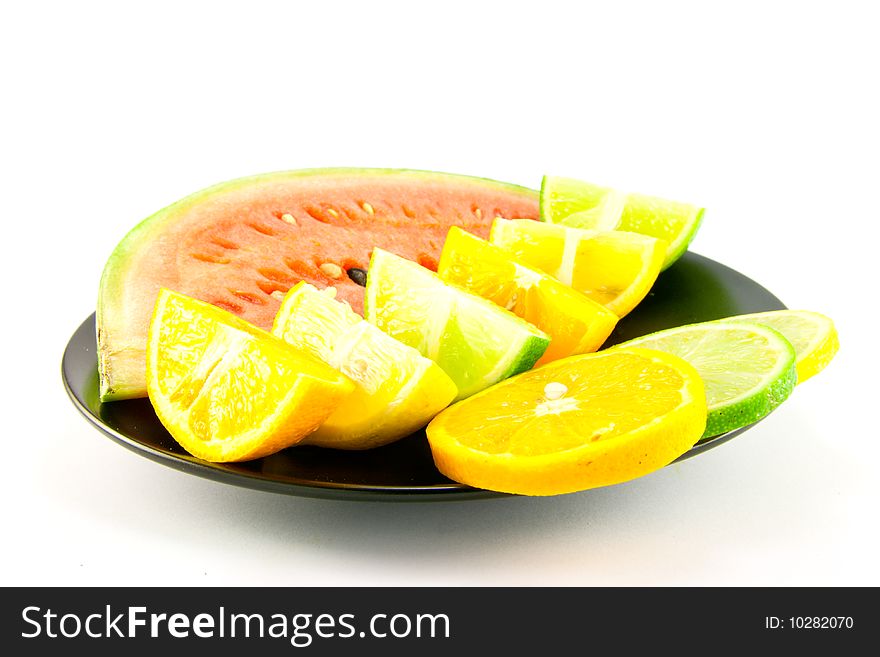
[{"x": 241, "y": 245}]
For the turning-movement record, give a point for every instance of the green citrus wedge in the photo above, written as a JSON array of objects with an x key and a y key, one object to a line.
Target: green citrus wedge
[
  {"x": 748, "y": 369},
  {"x": 397, "y": 390},
  {"x": 812, "y": 335},
  {"x": 476, "y": 342},
  {"x": 583, "y": 205}
]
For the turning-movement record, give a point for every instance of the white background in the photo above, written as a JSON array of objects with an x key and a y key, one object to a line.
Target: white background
[{"x": 765, "y": 113}]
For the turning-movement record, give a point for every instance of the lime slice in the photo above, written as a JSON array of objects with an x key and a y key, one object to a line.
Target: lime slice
[
  {"x": 615, "y": 268},
  {"x": 748, "y": 369},
  {"x": 476, "y": 342},
  {"x": 584, "y": 205},
  {"x": 575, "y": 323},
  {"x": 812, "y": 335},
  {"x": 397, "y": 390}
]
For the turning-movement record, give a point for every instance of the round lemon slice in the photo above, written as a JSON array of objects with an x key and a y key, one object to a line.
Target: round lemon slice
[{"x": 812, "y": 335}]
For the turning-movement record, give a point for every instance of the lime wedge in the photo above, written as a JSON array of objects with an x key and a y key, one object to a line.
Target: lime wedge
[
  {"x": 476, "y": 342},
  {"x": 812, "y": 335},
  {"x": 583, "y": 205},
  {"x": 748, "y": 369},
  {"x": 580, "y": 204},
  {"x": 397, "y": 390}
]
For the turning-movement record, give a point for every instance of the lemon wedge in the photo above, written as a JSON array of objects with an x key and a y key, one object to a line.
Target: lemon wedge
[{"x": 397, "y": 390}]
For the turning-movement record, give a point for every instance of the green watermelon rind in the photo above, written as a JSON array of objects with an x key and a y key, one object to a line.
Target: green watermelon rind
[{"x": 115, "y": 364}]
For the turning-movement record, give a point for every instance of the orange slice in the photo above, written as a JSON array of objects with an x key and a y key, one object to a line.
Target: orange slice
[
  {"x": 228, "y": 391},
  {"x": 573, "y": 424},
  {"x": 575, "y": 323}
]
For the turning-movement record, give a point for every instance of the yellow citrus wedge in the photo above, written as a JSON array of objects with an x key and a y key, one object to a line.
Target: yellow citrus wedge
[
  {"x": 575, "y": 323},
  {"x": 577, "y": 423},
  {"x": 614, "y": 268},
  {"x": 812, "y": 335},
  {"x": 397, "y": 390},
  {"x": 228, "y": 391}
]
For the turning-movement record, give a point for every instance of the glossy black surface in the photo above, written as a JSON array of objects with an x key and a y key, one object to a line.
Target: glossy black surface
[{"x": 695, "y": 289}]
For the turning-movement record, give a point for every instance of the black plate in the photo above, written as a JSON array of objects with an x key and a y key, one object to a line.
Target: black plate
[{"x": 695, "y": 289}]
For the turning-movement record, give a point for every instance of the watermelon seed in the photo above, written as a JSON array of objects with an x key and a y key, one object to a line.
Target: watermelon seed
[
  {"x": 332, "y": 270},
  {"x": 333, "y": 212},
  {"x": 227, "y": 305},
  {"x": 277, "y": 294},
  {"x": 299, "y": 267},
  {"x": 226, "y": 244},
  {"x": 250, "y": 298},
  {"x": 408, "y": 211},
  {"x": 260, "y": 228},
  {"x": 427, "y": 261},
  {"x": 358, "y": 275},
  {"x": 367, "y": 208},
  {"x": 275, "y": 275},
  {"x": 316, "y": 214},
  {"x": 270, "y": 287},
  {"x": 479, "y": 213},
  {"x": 207, "y": 257},
  {"x": 351, "y": 214},
  {"x": 288, "y": 218}
]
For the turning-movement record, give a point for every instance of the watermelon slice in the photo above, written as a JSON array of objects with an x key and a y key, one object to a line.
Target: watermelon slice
[{"x": 242, "y": 244}]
